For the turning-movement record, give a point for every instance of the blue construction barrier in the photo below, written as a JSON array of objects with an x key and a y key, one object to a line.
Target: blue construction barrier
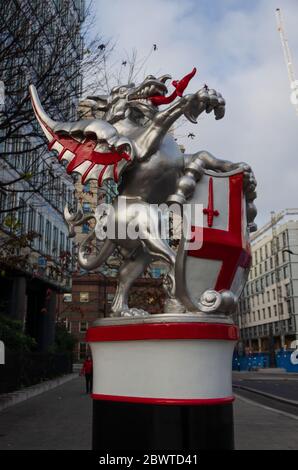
[
  {"x": 287, "y": 360},
  {"x": 252, "y": 361}
]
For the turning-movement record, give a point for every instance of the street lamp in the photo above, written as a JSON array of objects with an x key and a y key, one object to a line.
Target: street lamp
[{"x": 289, "y": 251}]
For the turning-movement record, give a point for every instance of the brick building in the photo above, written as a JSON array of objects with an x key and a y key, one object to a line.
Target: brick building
[{"x": 91, "y": 298}]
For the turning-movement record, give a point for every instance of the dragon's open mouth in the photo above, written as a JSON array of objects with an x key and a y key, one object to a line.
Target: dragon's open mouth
[{"x": 151, "y": 88}]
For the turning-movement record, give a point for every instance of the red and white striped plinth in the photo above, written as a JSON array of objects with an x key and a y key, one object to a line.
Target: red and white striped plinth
[{"x": 162, "y": 382}]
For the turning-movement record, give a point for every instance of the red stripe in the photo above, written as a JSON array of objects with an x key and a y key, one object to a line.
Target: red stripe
[
  {"x": 101, "y": 175},
  {"x": 165, "y": 401},
  {"x": 159, "y": 331}
]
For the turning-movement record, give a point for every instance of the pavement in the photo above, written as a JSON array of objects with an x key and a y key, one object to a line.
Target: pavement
[
  {"x": 259, "y": 428},
  {"x": 12, "y": 398},
  {"x": 61, "y": 419}
]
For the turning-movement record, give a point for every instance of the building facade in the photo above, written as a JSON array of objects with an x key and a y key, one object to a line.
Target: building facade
[
  {"x": 268, "y": 308},
  {"x": 45, "y": 48}
]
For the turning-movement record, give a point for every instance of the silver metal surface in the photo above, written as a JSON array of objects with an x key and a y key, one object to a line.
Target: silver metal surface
[
  {"x": 156, "y": 172},
  {"x": 164, "y": 318}
]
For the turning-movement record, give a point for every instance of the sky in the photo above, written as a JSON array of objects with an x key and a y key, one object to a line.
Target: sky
[{"x": 237, "y": 50}]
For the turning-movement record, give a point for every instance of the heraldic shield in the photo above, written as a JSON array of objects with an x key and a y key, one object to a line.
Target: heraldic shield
[{"x": 212, "y": 277}]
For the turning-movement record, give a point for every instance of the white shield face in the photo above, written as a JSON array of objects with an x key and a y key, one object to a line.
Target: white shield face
[{"x": 223, "y": 260}]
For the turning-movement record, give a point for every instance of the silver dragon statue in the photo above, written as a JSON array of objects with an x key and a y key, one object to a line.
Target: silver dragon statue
[{"x": 127, "y": 139}]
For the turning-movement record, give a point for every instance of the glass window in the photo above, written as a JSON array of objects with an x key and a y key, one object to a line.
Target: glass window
[
  {"x": 85, "y": 228},
  {"x": 67, "y": 297},
  {"x": 55, "y": 241},
  {"x": 286, "y": 275},
  {"x": 40, "y": 231},
  {"x": 86, "y": 207},
  {"x": 48, "y": 236},
  {"x": 31, "y": 219},
  {"x": 82, "y": 350},
  {"x": 84, "y": 297},
  {"x": 62, "y": 242},
  {"x": 86, "y": 188},
  {"x": 83, "y": 326}
]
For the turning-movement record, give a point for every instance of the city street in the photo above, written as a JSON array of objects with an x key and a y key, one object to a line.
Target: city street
[
  {"x": 281, "y": 385},
  {"x": 61, "y": 419}
]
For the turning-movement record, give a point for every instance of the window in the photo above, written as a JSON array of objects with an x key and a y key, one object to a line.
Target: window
[
  {"x": 268, "y": 296},
  {"x": 84, "y": 297},
  {"x": 288, "y": 289},
  {"x": 275, "y": 310},
  {"x": 67, "y": 324},
  {"x": 31, "y": 220},
  {"x": 284, "y": 239},
  {"x": 40, "y": 231},
  {"x": 286, "y": 272},
  {"x": 86, "y": 188},
  {"x": 83, "y": 326},
  {"x": 22, "y": 215},
  {"x": 86, "y": 207},
  {"x": 289, "y": 306},
  {"x": 274, "y": 294},
  {"x": 85, "y": 228},
  {"x": 156, "y": 272},
  {"x": 67, "y": 298},
  {"x": 48, "y": 236},
  {"x": 55, "y": 240},
  {"x": 82, "y": 351},
  {"x": 269, "y": 312},
  {"x": 62, "y": 242}
]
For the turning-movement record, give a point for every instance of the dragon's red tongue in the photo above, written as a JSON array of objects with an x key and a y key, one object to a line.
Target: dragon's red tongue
[{"x": 179, "y": 89}]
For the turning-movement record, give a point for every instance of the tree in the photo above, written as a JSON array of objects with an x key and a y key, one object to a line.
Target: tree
[{"x": 41, "y": 42}]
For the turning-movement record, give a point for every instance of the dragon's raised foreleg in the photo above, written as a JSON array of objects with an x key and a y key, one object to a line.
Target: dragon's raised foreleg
[{"x": 191, "y": 106}]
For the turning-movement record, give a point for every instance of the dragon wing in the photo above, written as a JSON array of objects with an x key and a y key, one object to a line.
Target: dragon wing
[{"x": 92, "y": 148}]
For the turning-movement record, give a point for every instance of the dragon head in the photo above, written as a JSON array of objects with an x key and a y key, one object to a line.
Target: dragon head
[{"x": 132, "y": 100}]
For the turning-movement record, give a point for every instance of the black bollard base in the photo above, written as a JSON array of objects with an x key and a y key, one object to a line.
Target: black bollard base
[
  {"x": 135, "y": 426},
  {"x": 162, "y": 383}
]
